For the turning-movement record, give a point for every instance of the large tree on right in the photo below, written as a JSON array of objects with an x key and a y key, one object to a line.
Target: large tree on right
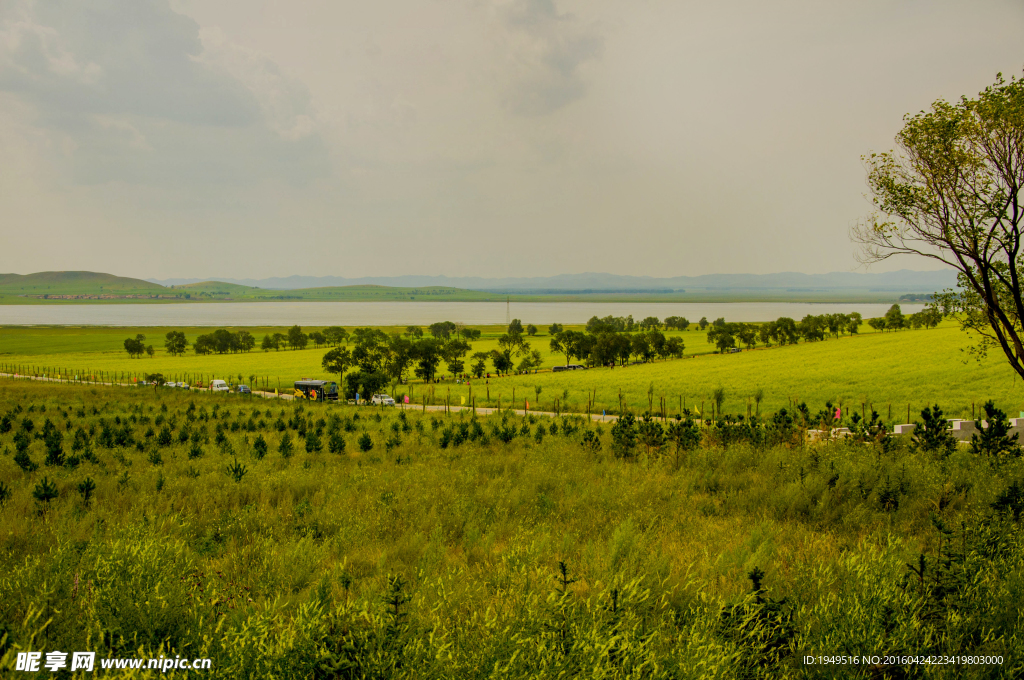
[{"x": 952, "y": 193}]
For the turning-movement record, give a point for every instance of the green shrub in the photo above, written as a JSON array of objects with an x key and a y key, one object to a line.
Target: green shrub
[
  {"x": 934, "y": 436},
  {"x": 86, "y": 488},
  {"x": 285, "y": 446},
  {"x": 624, "y": 435},
  {"x": 45, "y": 491},
  {"x": 365, "y": 442},
  {"x": 336, "y": 443},
  {"x": 259, "y": 447},
  {"x": 313, "y": 443},
  {"x": 24, "y": 461},
  {"x": 995, "y": 441},
  {"x": 237, "y": 471}
]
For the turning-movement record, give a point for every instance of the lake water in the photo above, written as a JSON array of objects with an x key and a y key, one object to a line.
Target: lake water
[{"x": 409, "y": 313}]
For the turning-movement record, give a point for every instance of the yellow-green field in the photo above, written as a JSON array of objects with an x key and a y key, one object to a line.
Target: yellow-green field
[
  {"x": 407, "y": 545},
  {"x": 909, "y": 367}
]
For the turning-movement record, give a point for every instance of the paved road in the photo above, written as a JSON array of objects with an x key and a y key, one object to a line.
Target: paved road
[{"x": 481, "y": 410}]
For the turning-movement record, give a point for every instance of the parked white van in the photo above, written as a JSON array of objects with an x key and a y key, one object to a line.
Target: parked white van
[{"x": 219, "y": 386}]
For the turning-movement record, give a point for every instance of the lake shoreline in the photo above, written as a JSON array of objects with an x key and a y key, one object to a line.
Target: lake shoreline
[{"x": 399, "y": 313}]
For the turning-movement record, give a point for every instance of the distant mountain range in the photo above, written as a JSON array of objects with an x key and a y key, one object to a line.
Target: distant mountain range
[
  {"x": 904, "y": 280},
  {"x": 84, "y": 287}
]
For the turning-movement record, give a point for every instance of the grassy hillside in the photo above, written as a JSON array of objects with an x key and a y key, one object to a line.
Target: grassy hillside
[
  {"x": 95, "y": 288},
  {"x": 161, "y": 527},
  {"x": 31, "y": 288},
  {"x": 879, "y": 369}
]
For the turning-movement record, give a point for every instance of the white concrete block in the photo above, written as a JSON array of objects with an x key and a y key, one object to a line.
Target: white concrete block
[
  {"x": 963, "y": 430},
  {"x": 904, "y": 429}
]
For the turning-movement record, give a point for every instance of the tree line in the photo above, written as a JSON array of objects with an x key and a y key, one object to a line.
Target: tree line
[
  {"x": 610, "y": 340},
  {"x": 383, "y": 358},
  {"x": 895, "y": 320},
  {"x": 812, "y": 328}
]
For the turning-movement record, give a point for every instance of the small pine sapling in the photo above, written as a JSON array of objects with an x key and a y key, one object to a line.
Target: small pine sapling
[
  {"x": 313, "y": 442},
  {"x": 285, "y": 446},
  {"x": 934, "y": 437},
  {"x": 24, "y": 461},
  {"x": 651, "y": 434},
  {"x": 995, "y": 440},
  {"x": 624, "y": 437},
  {"x": 237, "y": 471},
  {"x": 365, "y": 442},
  {"x": 1010, "y": 501},
  {"x": 44, "y": 492},
  {"x": 590, "y": 441},
  {"x": 87, "y": 487},
  {"x": 259, "y": 447},
  {"x": 685, "y": 435},
  {"x": 336, "y": 443}
]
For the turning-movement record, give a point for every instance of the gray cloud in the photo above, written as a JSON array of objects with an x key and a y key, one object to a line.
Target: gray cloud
[
  {"x": 139, "y": 97},
  {"x": 545, "y": 54},
  {"x": 197, "y": 138}
]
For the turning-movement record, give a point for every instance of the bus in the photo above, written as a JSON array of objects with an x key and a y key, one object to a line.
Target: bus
[{"x": 316, "y": 390}]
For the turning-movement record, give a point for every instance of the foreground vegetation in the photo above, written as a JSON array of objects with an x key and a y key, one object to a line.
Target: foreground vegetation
[{"x": 402, "y": 544}]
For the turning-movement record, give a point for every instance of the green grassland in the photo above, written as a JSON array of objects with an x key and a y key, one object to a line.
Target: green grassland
[
  {"x": 25, "y": 289},
  {"x": 918, "y": 368},
  {"x": 412, "y": 559},
  {"x": 880, "y": 369}
]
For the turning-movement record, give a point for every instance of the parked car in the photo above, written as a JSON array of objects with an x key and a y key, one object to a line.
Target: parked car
[
  {"x": 244, "y": 389},
  {"x": 382, "y": 399},
  {"x": 219, "y": 386}
]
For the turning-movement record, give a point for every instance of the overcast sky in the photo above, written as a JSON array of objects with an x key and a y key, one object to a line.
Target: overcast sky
[{"x": 201, "y": 138}]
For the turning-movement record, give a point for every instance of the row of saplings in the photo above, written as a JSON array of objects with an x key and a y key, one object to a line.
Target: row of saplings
[
  {"x": 119, "y": 433},
  {"x": 630, "y": 435}
]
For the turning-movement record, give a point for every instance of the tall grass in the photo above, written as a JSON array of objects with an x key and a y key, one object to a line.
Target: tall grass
[{"x": 418, "y": 560}]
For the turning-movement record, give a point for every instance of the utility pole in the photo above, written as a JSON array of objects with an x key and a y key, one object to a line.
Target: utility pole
[{"x": 508, "y": 316}]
